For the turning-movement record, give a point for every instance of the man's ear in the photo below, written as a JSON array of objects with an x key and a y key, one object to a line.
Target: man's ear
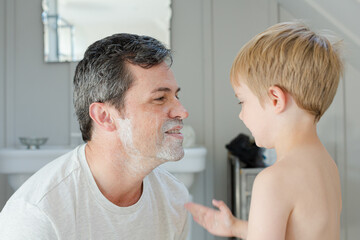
[
  {"x": 100, "y": 114},
  {"x": 278, "y": 98}
]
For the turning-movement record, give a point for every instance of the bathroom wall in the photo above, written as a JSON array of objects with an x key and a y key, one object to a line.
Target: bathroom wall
[
  {"x": 3, "y": 185},
  {"x": 2, "y": 73},
  {"x": 231, "y": 29},
  {"x": 186, "y": 43},
  {"x": 352, "y": 165}
]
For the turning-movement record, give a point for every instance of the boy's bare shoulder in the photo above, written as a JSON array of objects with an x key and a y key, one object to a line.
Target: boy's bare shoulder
[
  {"x": 281, "y": 179},
  {"x": 275, "y": 174},
  {"x": 275, "y": 181},
  {"x": 300, "y": 176}
]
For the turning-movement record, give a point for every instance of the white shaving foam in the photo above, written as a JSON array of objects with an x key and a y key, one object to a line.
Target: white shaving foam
[
  {"x": 165, "y": 148},
  {"x": 170, "y": 150},
  {"x": 125, "y": 132}
]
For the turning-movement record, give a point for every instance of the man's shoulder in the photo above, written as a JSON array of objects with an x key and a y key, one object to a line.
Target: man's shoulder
[{"x": 48, "y": 178}]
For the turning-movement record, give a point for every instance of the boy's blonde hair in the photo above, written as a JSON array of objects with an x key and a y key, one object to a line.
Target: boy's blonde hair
[{"x": 291, "y": 56}]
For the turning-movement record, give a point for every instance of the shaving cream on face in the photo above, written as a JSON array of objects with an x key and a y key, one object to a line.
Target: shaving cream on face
[
  {"x": 169, "y": 148},
  {"x": 134, "y": 159},
  {"x": 125, "y": 132},
  {"x": 149, "y": 150},
  {"x": 129, "y": 140}
]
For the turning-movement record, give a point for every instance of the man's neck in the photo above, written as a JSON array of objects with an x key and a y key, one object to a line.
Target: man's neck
[{"x": 118, "y": 178}]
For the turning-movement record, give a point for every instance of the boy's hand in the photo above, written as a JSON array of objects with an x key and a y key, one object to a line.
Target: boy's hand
[{"x": 214, "y": 221}]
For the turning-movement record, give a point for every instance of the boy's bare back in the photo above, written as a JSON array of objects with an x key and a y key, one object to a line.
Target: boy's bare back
[
  {"x": 305, "y": 186},
  {"x": 317, "y": 199}
]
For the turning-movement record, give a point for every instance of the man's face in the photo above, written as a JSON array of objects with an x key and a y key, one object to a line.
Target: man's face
[{"x": 151, "y": 123}]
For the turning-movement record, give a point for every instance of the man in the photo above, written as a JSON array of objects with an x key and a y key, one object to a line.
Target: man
[{"x": 127, "y": 105}]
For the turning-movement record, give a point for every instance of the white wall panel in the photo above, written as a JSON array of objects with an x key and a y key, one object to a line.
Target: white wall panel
[
  {"x": 186, "y": 43},
  {"x": 41, "y": 90},
  {"x": 235, "y": 23},
  {"x": 186, "y": 40},
  {"x": 2, "y": 73},
  {"x": 3, "y": 182},
  {"x": 352, "y": 200}
]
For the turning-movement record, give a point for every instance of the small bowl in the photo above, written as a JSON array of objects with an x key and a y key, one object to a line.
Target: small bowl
[{"x": 33, "y": 143}]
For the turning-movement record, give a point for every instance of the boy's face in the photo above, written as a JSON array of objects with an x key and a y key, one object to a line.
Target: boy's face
[
  {"x": 255, "y": 117},
  {"x": 153, "y": 115}
]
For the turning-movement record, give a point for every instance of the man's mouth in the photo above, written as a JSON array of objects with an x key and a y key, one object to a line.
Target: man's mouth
[{"x": 175, "y": 132}]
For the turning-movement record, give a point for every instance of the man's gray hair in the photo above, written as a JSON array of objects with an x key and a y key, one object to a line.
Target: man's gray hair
[{"x": 103, "y": 76}]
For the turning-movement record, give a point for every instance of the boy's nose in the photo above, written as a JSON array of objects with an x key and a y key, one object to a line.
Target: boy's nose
[{"x": 240, "y": 115}]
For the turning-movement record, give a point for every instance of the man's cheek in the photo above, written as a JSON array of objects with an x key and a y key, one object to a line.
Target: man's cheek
[{"x": 149, "y": 130}]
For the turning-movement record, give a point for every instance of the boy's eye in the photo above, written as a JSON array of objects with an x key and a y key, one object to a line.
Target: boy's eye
[{"x": 240, "y": 103}]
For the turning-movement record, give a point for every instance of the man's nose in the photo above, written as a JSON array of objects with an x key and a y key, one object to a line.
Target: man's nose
[{"x": 178, "y": 111}]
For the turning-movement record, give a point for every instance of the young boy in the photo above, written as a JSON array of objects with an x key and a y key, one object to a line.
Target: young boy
[{"x": 285, "y": 78}]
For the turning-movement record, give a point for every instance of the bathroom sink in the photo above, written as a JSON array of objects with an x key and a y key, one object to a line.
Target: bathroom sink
[
  {"x": 193, "y": 161},
  {"x": 20, "y": 163},
  {"x": 19, "y": 160},
  {"x": 186, "y": 168}
]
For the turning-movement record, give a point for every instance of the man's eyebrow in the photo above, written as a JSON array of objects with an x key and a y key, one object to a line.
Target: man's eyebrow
[{"x": 164, "y": 89}]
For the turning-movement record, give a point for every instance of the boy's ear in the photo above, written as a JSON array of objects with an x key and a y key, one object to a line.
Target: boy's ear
[
  {"x": 100, "y": 114},
  {"x": 278, "y": 98}
]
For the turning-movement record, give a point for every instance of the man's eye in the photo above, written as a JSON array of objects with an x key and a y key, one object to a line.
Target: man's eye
[{"x": 159, "y": 99}]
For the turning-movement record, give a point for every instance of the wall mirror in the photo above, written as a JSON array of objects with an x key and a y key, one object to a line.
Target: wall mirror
[{"x": 70, "y": 26}]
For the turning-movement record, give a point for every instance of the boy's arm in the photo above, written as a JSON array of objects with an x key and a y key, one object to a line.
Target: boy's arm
[
  {"x": 271, "y": 205},
  {"x": 218, "y": 222}
]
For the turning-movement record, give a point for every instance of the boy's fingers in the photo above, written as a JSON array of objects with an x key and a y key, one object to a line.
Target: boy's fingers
[
  {"x": 220, "y": 205},
  {"x": 196, "y": 209}
]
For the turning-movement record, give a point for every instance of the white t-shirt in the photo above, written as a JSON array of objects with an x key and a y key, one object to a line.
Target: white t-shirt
[{"x": 62, "y": 201}]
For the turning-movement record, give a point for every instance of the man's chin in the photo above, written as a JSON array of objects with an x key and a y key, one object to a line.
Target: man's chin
[
  {"x": 181, "y": 156},
  {"x": 171, "y": 154}
]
